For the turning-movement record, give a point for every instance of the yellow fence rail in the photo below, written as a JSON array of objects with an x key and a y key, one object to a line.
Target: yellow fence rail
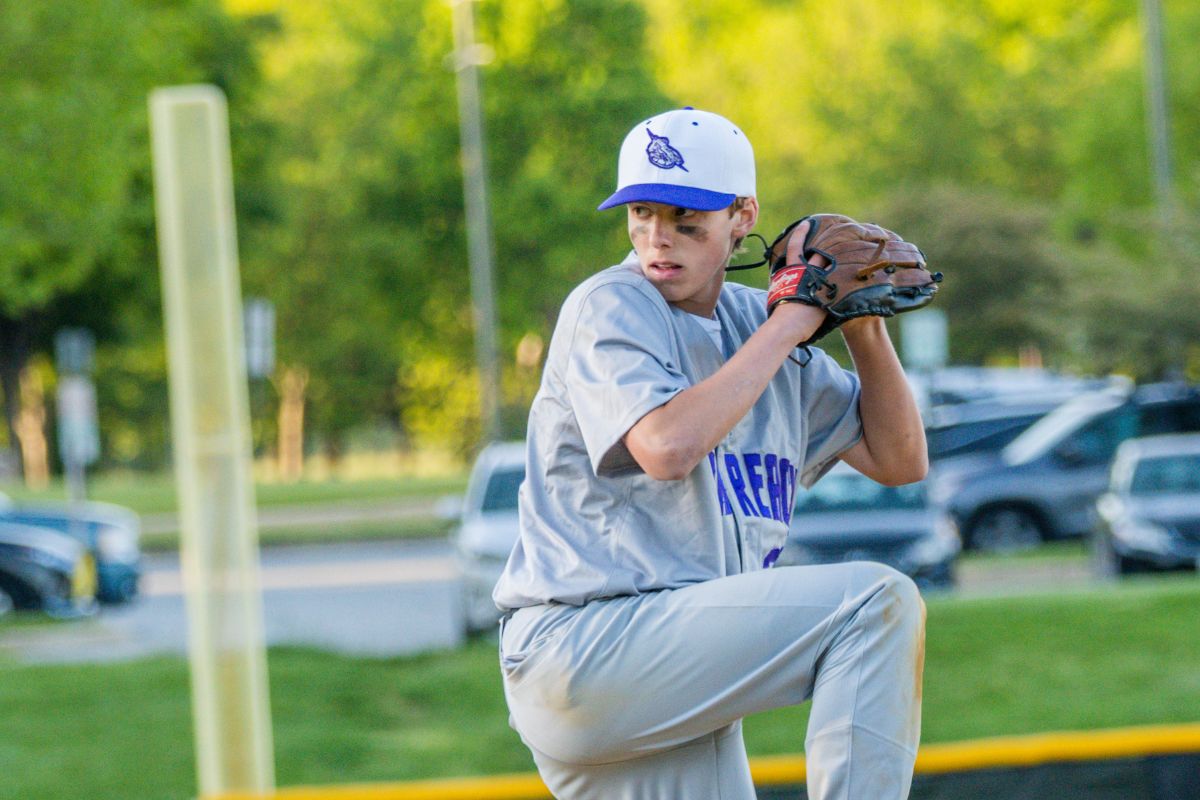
[{"x": 1004, "y": 751}]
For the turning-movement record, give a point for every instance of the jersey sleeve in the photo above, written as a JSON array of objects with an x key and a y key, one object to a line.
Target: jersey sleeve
[
  {"x": 831, "y": 414},
  {"x": 621, "y": 365}
]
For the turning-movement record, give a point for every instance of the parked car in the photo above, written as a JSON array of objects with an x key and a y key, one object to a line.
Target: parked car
[
  {"x": 487, "y": 530},
  {"x": 981, "y": 426},
  {"x": 1150, "y": 517},
  {"x": 1044, "y": 483},
  {"x": 110, "y": 533},
  {"x": 846, "y": 516},
  {"x": 42, "y": 569},
  {"x": 963, "y": 384}
]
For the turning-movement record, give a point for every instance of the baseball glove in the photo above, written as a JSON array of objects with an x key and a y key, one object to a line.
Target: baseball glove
[{"x": 871, "y": 271}]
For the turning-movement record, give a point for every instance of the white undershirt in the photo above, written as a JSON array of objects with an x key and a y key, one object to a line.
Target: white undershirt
[{"x": 712, "y": 327}]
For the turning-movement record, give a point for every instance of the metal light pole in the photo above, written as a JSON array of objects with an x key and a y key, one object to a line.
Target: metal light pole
[
  {"x": 1157, "y": 116},
  {"x": 466, "y": 57}
]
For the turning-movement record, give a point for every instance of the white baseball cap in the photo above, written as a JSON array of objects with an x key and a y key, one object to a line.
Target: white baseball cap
[{"x": 688, "y": 158}]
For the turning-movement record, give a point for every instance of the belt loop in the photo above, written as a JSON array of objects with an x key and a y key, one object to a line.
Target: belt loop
[{"x": 504, "y": 618}]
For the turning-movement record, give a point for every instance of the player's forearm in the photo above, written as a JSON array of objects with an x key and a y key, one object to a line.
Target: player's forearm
[
  {"x": 672, "y": 439},
  {"x": 893, "y": 440}
]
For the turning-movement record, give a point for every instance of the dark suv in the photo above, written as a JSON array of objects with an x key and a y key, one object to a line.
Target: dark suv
[
  {"x": 1044, "y": 483},
  {"x": 981, "y": 426}
]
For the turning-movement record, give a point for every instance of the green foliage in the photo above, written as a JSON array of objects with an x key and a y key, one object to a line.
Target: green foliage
[
  {"x": 847, "y": 105},
  {"x": 65, "y": 152},
  {"x": 76, "y": 212},
  {"x": 1011, "y": 126},
  {"x": 1024, "y": 116},
  {"x": 354, "y": 88},
  {"x": 1128, "y": 327},
  {"x": 376, "y": 298},
  {"x": 1005, "y": 272}
]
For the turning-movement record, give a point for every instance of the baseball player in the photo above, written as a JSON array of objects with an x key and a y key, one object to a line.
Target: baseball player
[{"x": 674, "y": 422}]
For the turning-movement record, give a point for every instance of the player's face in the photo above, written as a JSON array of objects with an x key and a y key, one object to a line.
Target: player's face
[{"x": 684, "y": 252}]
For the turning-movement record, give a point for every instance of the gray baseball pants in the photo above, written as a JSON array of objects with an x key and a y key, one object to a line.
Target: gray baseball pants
[{"x": 641, "y": 698}]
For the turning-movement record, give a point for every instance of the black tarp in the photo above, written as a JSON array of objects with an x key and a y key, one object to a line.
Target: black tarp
[{"x": 1174, "y": 777}]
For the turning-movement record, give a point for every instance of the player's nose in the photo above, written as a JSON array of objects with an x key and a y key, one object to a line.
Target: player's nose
[{"x": 661, "y": 231}]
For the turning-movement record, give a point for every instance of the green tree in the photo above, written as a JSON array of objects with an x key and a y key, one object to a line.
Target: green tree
[
  {"x": 1126, "y": 325},
  {"x": 1032, "y": 109},
  {"x": 846, "y": 105},
  {"x": 65, "y": 157},
  {"x": 366, "y": 162},
  {"x": 76, "y": 221},
  {"x": 374, "y": 298},
  {"x": 1006, "y": 281}
]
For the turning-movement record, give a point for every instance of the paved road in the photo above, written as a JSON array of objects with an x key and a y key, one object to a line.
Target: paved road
[
  {"x": 378, "y": 598},
  {"x": 375, "y": 598},
  {"x": 1022, "y": 575}
]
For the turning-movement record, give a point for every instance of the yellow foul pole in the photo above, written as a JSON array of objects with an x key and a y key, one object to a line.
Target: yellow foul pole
[{"x": 193, "y": 189}]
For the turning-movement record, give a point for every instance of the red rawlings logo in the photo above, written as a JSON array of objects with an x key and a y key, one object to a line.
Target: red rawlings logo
[{"x": 784, "y": 283}]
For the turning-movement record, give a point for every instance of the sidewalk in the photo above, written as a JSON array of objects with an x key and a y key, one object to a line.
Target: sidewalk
[{"x": 296, "y": 516}]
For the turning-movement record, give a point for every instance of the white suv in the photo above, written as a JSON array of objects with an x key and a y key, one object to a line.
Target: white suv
[{"x": 487, "y": 529}]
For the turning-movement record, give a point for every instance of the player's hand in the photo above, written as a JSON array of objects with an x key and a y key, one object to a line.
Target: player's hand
[{"x": 801, "y": 318}]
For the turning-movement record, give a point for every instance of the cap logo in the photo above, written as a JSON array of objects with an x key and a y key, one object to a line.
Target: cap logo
[{"x": 661, "y": 154}]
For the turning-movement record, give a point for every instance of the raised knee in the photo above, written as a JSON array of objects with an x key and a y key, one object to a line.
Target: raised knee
[{"x": 899, "y": 599}]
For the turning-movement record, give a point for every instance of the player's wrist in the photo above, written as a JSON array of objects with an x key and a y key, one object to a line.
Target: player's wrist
[
  {"x": 864, "y": 330},
  {"x": 797, "y": 320}
]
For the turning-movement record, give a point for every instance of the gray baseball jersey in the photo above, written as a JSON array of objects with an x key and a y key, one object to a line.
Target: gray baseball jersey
[{"x": 593, "y": 525}]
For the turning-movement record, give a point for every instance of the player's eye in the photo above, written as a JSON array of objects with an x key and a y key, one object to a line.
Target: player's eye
[
  {"x": 641, "y": 212},
  {"x": 685, "y": 213}
]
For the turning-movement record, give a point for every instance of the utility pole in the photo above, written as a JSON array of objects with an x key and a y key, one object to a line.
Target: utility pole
[
  {"x": 466, "y": 57},
  {"x": 1157, "y": 115}
]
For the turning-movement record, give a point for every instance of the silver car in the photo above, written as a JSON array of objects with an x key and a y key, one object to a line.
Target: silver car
[
  {"x": 846, "y": 516},
  {"x": 487, "y": 529},
  {"x": 1149, "y": 519}
]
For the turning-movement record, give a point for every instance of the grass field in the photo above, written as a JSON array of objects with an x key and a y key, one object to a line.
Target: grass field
[
  {"x": 1121, "y": 655},
  {"x": 155, "y": 493},
  {"x": 1069, "y": 549},
  {"x": 414, "y": 528}
]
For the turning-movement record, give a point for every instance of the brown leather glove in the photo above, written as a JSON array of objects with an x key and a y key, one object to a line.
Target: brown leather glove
[{"x": 871, "y": 271}]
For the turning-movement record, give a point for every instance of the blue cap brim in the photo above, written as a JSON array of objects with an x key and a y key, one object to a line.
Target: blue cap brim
[{"x": 670, "y": 194}]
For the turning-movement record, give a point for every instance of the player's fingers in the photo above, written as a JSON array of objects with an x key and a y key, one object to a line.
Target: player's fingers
[
  {"x": 795, "y": 251},
  {"x": 795, "y": 248}
]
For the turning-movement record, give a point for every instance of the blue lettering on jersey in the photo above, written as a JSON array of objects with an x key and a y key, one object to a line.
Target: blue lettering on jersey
[
  {"x": 771, "y": 467},
  {"x": 749, "y": 475},
  {"x": 787, "y": 488},
  {"x": 734, "y": 470},
  {"x": 754, "y": 473},
  {"x": 772, "y": 557},
  {"x": 722, "y": 495}
]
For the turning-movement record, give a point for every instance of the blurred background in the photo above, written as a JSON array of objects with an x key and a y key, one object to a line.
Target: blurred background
[{"x": 1041, "y": 153}]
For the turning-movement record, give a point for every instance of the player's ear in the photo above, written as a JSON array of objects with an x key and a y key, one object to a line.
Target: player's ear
[{"x": 745, "y": 217}]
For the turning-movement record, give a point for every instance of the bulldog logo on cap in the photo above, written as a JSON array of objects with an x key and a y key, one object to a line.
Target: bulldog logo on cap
[
  {"x": 661, "y": 154},
  {"x": 719, "y": 167}
]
